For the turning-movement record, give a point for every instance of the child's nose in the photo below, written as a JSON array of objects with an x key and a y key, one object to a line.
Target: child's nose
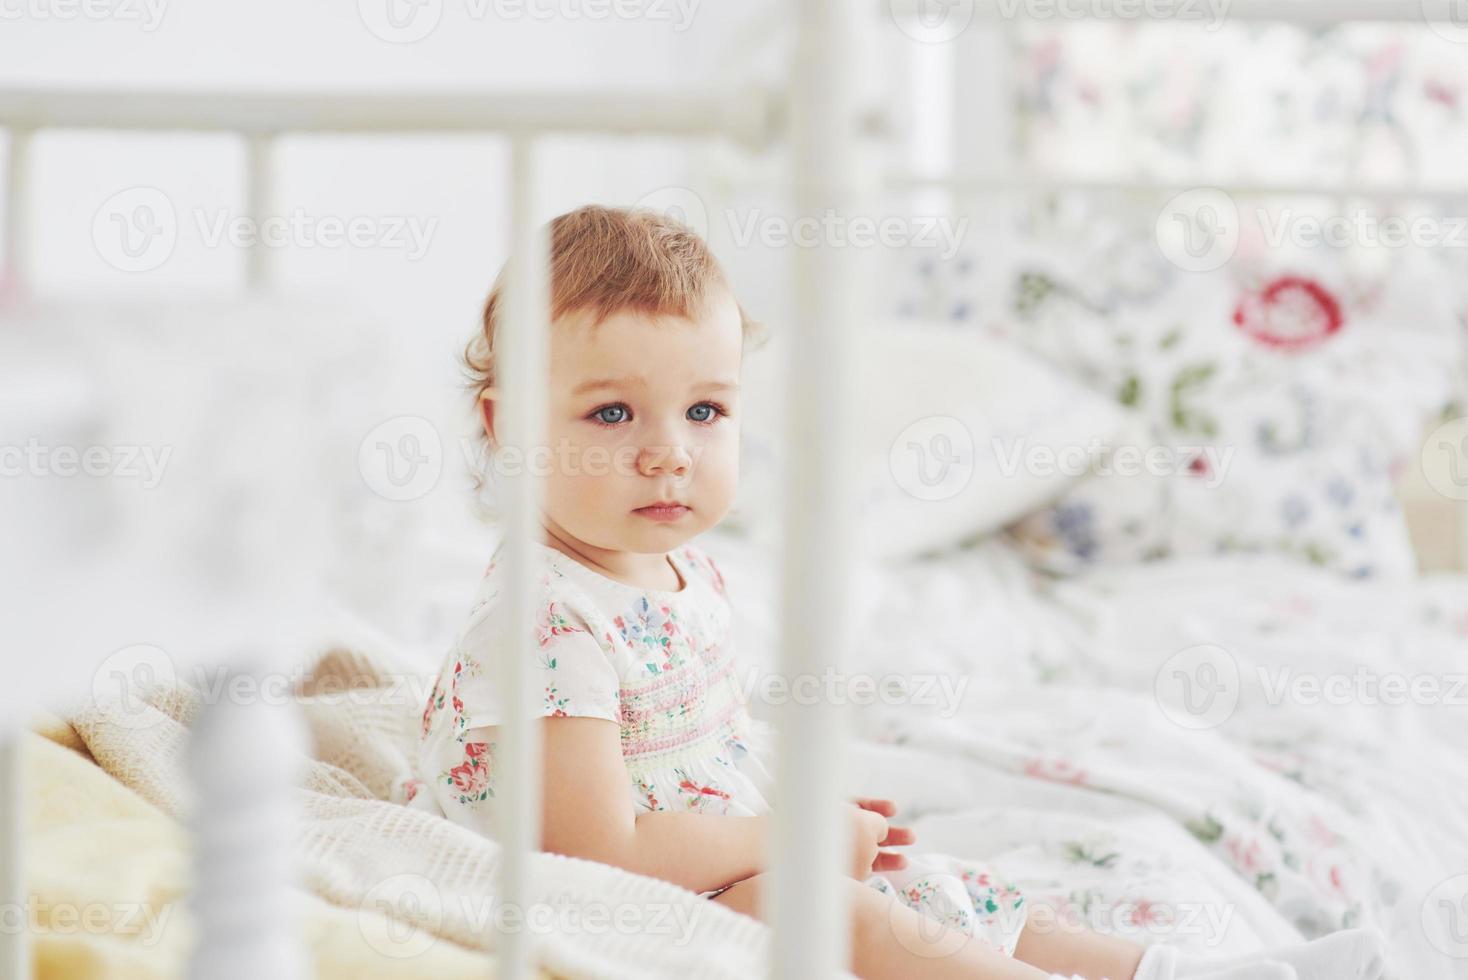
[{"x": 672, "y": 458}]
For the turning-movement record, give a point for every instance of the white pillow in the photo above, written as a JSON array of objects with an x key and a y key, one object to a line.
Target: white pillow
[{"x": 957, "y": 435}]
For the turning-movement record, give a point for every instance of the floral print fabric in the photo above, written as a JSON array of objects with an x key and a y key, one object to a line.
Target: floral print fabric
[{"x": 661, "y": 666}]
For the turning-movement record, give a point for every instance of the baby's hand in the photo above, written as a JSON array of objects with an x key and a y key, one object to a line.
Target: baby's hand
[{"x": 887, "y": 836}]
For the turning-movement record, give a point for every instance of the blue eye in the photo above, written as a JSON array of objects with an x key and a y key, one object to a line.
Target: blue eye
[
  {"x": 619, "y": 411},
  {"x": 706, "y": 413}
]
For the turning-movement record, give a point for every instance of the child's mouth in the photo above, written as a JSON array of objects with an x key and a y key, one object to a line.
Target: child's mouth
[{"x": 662, "y": 512}]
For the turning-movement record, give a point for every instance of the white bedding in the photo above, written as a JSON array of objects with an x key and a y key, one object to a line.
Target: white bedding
[{"x": 1060, "y": 766}]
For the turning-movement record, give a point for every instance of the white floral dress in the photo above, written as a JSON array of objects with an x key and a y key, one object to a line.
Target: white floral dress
[{"x": 661, "y": 665}]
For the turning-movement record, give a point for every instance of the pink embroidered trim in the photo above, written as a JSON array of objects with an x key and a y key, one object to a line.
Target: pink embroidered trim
[
  {"x": 631, "y": 714},
  {"x": 632, "y": 748}
]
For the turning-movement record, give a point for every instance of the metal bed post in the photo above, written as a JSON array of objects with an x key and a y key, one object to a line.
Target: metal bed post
[
  {"x": 15, "y": 276},
  {"x": 244, "y": 758},
  {"x": 520, "y": 424},
  {"x": 812, "y": 836},
  {"x": 14, "y": 943},
  {"x": 259, "y": 194}
]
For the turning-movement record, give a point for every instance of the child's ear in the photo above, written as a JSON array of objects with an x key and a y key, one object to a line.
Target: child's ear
[{"x": 486, "y": 412}]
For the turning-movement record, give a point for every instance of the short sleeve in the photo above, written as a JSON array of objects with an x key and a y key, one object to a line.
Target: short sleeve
[
  {"x": 573, "y": 675},
  {"x": 707, "y": 567}
]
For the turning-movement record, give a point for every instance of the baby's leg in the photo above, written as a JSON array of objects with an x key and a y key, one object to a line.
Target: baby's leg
[
  {"x": 1078, "y": 952},
  {"x": 890, "y": 940}
]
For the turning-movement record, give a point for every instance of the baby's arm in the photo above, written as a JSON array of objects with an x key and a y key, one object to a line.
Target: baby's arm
[{"x": 588, "y": 813}]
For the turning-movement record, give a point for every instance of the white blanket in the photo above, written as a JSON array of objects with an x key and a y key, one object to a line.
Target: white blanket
[{"x": 1059, "y": 765}]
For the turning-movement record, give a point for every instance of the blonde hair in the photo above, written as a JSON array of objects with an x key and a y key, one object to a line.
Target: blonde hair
[{"x": 606, "y": 261}]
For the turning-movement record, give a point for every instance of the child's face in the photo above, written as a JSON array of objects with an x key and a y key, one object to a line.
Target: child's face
[{"x": 643, "y": 410}]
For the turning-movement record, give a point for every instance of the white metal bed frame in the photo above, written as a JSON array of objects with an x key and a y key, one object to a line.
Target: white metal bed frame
[{"x": 825, "y": 124}]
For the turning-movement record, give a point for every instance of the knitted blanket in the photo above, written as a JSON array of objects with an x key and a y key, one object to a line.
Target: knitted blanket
[{"x": 430, "y": 880}]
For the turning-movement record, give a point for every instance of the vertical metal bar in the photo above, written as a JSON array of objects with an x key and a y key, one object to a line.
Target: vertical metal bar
[
  {"x": 244, "y": 759},
  {"x": 520, "y": 423},
  {"x": 259, "y": 197},
  {"x": 985, "y": 136},
  {"x": 15, "y": 277},
  {"x": 811, "y": 833},
  {"x": 14, "y": 945}
]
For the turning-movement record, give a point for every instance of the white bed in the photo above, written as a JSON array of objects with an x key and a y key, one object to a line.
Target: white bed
[{"x": 1047, "y": 725}]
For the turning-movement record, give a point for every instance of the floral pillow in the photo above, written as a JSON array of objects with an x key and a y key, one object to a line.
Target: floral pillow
[{"x": 1272, "y": 404}]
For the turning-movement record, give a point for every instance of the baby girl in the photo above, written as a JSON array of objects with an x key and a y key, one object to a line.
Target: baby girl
[{"x": 651, "y": 761}]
